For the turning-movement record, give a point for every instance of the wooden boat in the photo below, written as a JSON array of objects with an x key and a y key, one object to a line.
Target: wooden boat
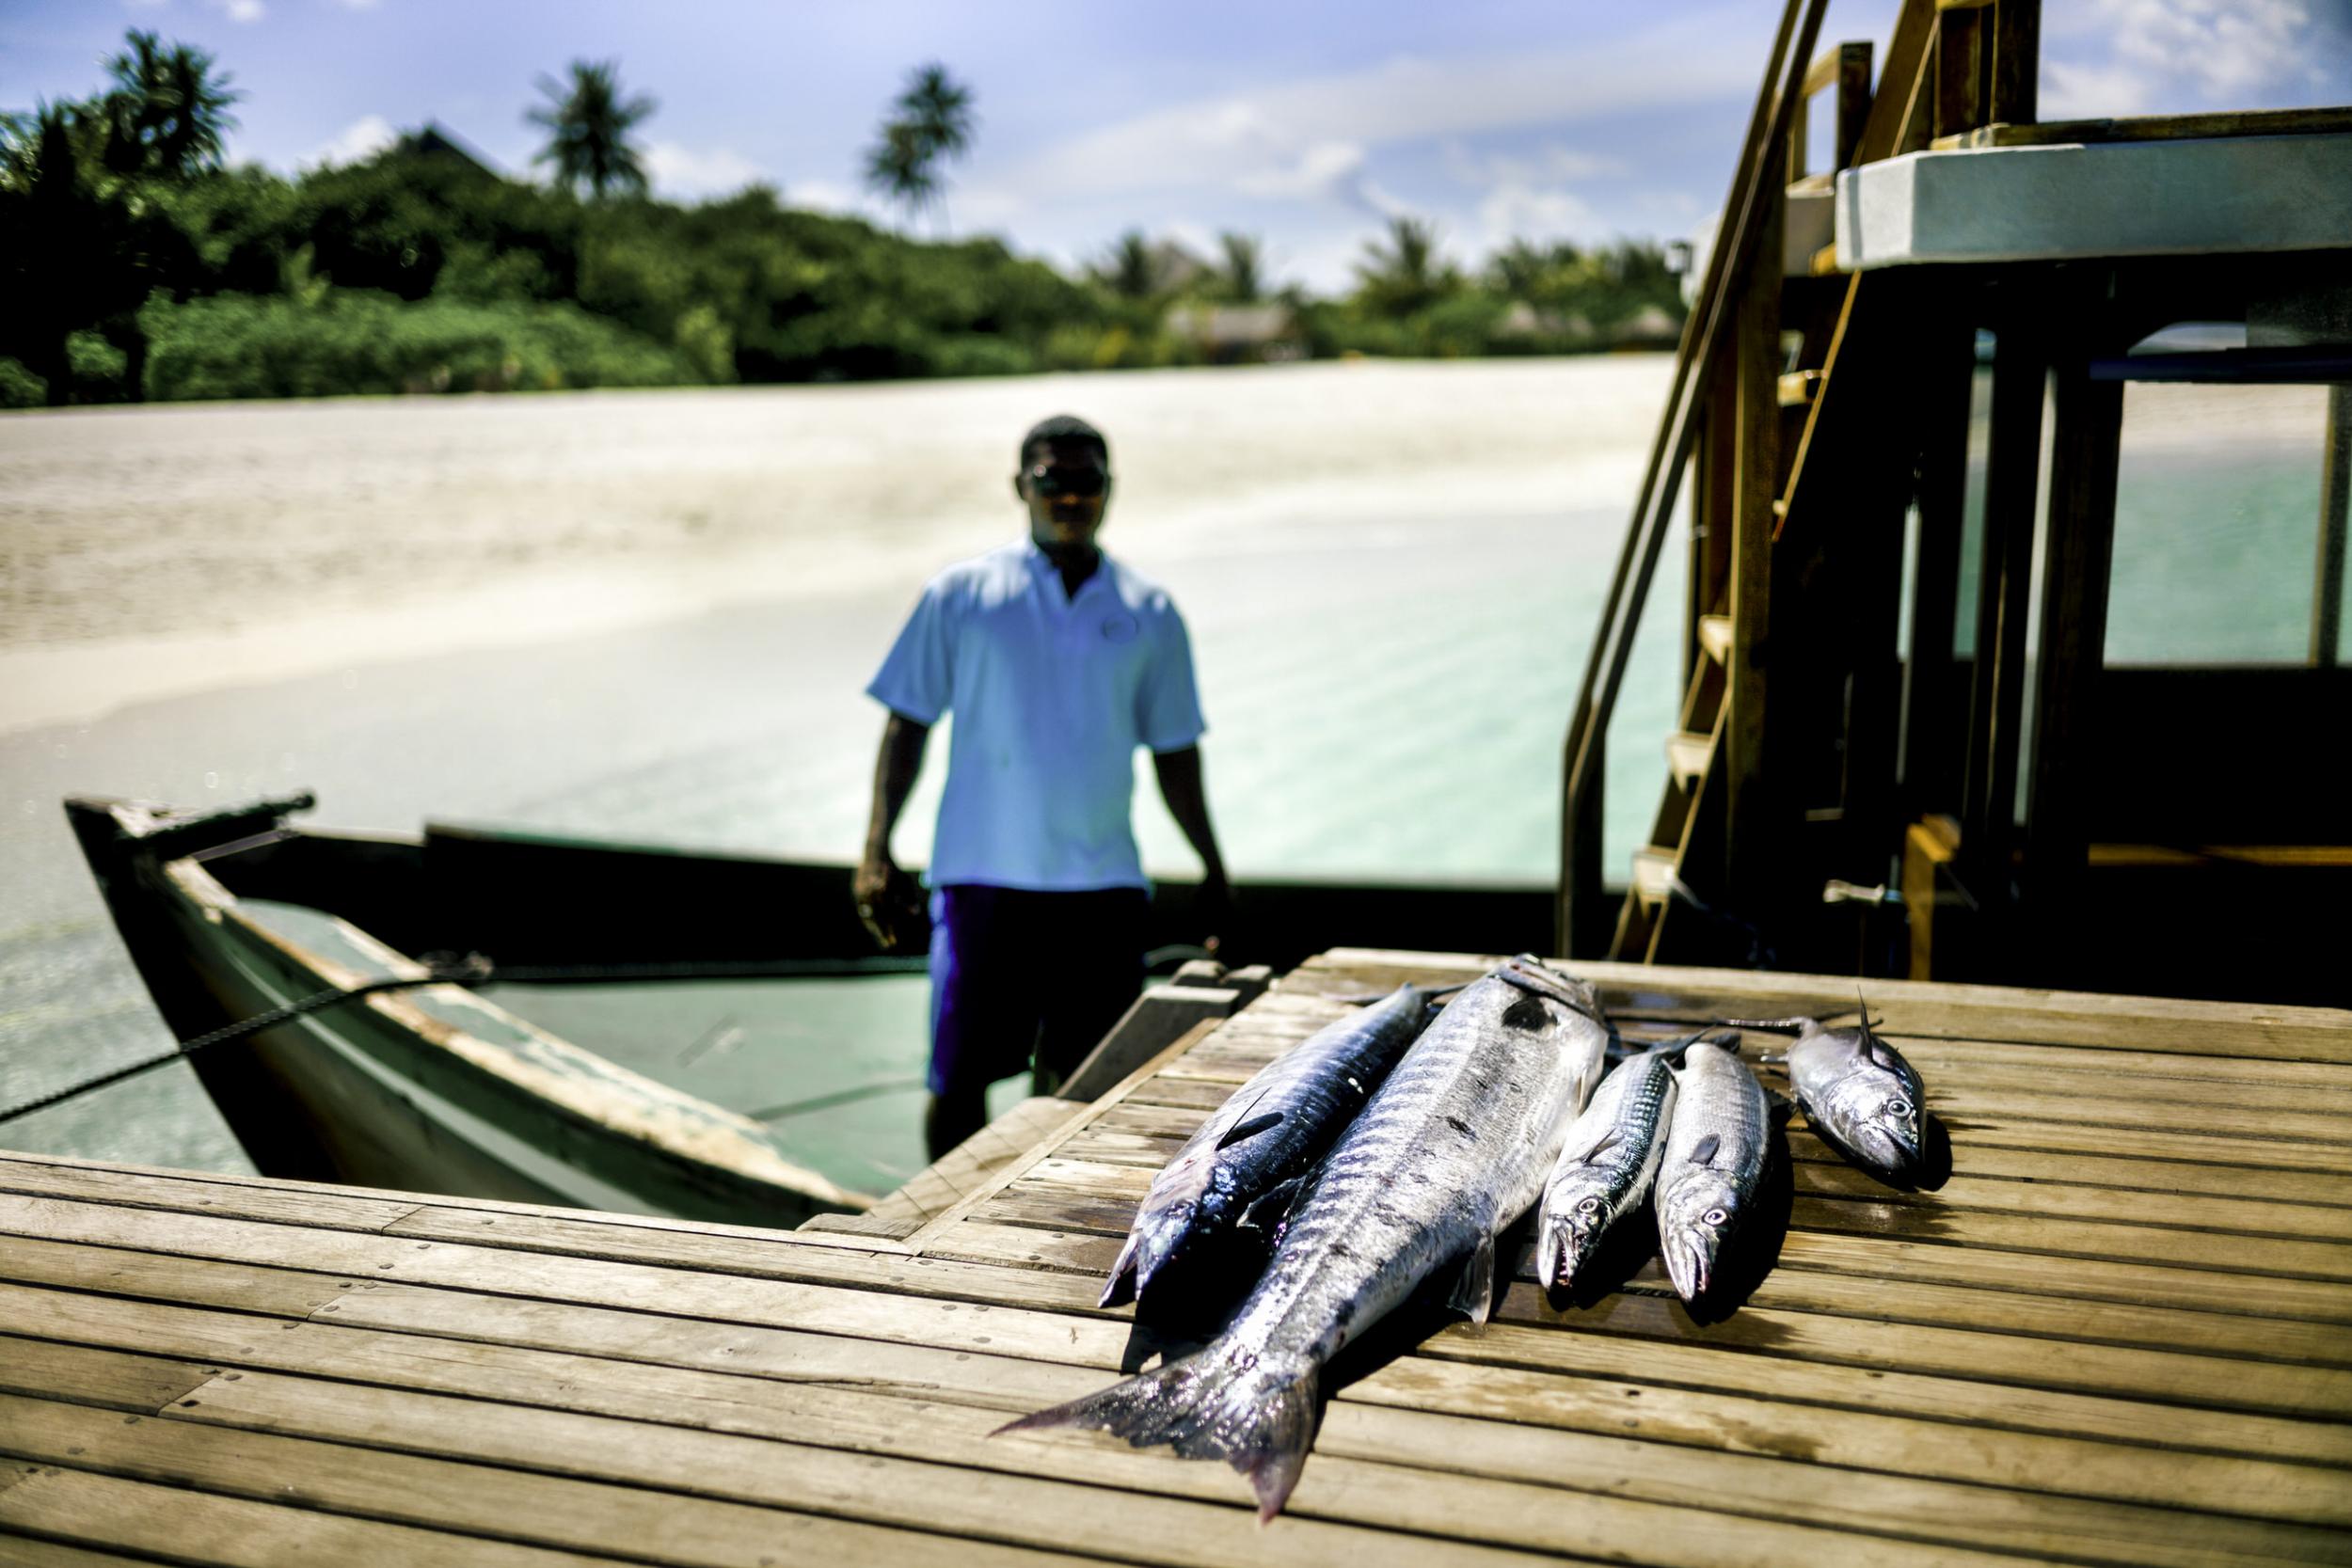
[{"x": 569, "y": 1086}]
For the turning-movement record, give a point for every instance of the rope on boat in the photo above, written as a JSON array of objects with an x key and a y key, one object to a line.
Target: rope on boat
[
  {"x": 472, "y": 969},
  {"x": 461, "y": 972}
]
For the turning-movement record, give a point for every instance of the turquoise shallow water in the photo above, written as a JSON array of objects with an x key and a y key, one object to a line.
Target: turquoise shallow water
[{"x": 1384, "y": 704}]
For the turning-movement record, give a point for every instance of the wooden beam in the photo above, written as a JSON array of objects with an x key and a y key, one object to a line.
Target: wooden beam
[
  {"x": 2086, "y": 421},
  {"x": 2335, "y": 500},
  {"x": 1751, "y": 812},
  {"x": 1959, "y": 47},
  {"x": 2235, "y": 122}
]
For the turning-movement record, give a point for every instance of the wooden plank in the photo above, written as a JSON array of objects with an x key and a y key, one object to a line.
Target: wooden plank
[
  {"x": 2335, "y": 524},
  {"x": 2015, "y": 93},
  {"x": 1747, "y": 1486},
  {"x": 1364, "y": 1441},
  {"x": 24, "y": 1552},
  {"x": 477, "y": 1504},
  {"x": 2163, "y": 1376},
  {"x": 181, "y": 1526},
  {"x": 106, "y": 1377},
  {"x": 1661, "y": 1412}
]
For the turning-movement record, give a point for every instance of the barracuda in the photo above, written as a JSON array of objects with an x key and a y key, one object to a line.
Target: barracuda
[
  {"x": 1451, "y": 1150},
  {"x": 1248, "y": 1158},
  {"x": 1714, "y": 1161}
]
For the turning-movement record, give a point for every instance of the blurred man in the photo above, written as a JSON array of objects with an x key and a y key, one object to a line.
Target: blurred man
[{"x": 1058, "y": 662}]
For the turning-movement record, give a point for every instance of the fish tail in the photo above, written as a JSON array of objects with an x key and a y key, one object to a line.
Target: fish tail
[{"x": 1258, "y": 1415}]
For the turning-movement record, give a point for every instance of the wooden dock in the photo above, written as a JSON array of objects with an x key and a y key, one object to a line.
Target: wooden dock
[{"x": 2121, "y": 1333}]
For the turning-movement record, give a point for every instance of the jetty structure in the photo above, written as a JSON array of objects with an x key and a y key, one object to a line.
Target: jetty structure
[
  {"x": 1858, "y": 743},
  {"x": 543, "y": 1309}
]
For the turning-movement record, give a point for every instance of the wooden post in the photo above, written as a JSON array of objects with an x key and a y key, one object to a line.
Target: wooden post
[
  {"x": 1960, "y": 43},
  {"x": 1934, "y": 719},
  {"x": 2335, "y": 499},
  {"x": 2086, "y": 421},
  {"x": 1854, "y": 99},
  {"x": 1583, "y": 926},
  {"x": 2015, "y": 97},
  {"x": 2003, "y": 599},
  {"x": 1713, "y": 505}
]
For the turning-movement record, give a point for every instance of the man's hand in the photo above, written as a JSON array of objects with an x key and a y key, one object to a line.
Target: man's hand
[
  {"x": 890, "y": 904},
  {"x": 1213, "y": 910}
]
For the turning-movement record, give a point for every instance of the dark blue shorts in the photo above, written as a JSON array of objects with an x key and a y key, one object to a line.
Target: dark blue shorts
[{"x": 1017, "y": 976}]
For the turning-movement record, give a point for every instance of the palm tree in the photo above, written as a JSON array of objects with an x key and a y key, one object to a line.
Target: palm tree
[
  {"x": 588, "y": 130},
  {"x": 1405, "y": 273},
  {"x": 1245, "y": 268},
  {"x": 166, "y": 112},
  {"x": 932, "y": 121},
  {"x": 1129, "y": 271}
]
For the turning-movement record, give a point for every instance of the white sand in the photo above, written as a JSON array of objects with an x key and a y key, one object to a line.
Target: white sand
[{"x": 149, "y": 552}]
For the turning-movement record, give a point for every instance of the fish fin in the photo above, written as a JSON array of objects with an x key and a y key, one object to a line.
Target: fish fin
[
  {"x": 1704, "y": 1153},
  {"x": 1474, "y": 1288},
  {"x": 1271, "y": 1208},
  {"x": 1242, "y": 1130},
  {"x": 1258, "y": 1415},
  {"x": 1120, "y": 1289},
  {"x": 1885, "y": 1057},
  {"x": 1609, "y": 1138}
]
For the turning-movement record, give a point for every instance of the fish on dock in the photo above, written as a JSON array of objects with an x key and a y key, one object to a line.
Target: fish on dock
[
  {"x": 1713, "y": 1165},
  {"x": 1606, "y": 1164},
  {"x": 1450, "y": 1151},
  {"x": 1249, "y": 1160},
  {"x": 1858, "y": 1093}
]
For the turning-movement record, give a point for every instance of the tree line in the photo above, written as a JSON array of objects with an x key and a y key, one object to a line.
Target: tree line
[{"x": 142, "y": 266}]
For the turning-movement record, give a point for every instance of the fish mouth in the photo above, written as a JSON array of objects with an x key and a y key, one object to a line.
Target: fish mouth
[
  {"x": 1689, "y": 1255},
  {"x": 1893, "y": 1153},
  {"x": 1564, "y": 1245}
]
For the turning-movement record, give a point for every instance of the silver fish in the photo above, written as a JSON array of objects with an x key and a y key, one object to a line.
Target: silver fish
[
  {"x": 1714, "y": 1160},
  {"x": 1451, "y": 1150},
  {"x": 1857, "y": 1092},
  {"x": 1606, "y": 1164},
  {"x": 1264, "y": 1139}
]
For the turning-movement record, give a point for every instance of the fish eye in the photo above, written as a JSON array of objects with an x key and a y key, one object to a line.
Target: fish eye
[
  {"x": 1899, "y": 1107},
  {"x": 1714, "y": 1216},
  {"x": 1589, "y": 1206}
]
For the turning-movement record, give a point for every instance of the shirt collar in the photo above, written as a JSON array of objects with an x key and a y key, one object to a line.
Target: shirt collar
[{"x": 1045, "y": 573}]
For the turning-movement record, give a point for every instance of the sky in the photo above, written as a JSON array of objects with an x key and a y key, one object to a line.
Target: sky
[{"x": 1307, "y": 124}]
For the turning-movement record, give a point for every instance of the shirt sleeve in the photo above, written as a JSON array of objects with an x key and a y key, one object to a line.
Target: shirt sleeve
[
  {"x": 1168, "y": 705},
  {"x": 918, "y": 678}
]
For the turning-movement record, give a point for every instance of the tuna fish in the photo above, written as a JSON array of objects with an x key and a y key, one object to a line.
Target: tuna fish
[
  {"x": 1451, "y": 1150},
  {"x": 1716, "y": 1144},
  {"x": 1248, "y": 1158},
  {"x": 1858, "y": 1093},
  {"x": 1606, "y": 1164}
]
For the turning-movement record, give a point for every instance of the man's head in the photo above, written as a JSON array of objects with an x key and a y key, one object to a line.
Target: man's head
[{"x": 1065, "y": 482}]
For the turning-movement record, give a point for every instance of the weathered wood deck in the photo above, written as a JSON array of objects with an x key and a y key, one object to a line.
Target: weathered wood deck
[{"x": 2120, "y": 1334}]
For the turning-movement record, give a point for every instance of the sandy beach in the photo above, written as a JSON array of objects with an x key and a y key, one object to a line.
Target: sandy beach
[{"x": 151, "y": 551}]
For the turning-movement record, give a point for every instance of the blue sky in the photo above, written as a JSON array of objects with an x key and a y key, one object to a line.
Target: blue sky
[{"x": 1304, "y": 123}]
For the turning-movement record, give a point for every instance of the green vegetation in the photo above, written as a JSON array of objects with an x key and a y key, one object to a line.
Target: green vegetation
[{"x": 142, "y": 268}]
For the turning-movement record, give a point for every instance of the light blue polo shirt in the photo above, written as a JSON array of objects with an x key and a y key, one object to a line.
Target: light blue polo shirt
[{"x": 1052, "y": 694}]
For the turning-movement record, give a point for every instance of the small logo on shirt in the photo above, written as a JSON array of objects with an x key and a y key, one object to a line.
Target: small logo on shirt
[{"x": 1120, "y": 628}]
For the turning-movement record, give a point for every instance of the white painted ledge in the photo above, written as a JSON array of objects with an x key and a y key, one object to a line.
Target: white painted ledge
[{"x": 2078, "y": 201}]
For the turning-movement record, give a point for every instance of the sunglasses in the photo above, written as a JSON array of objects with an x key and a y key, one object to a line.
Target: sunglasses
[{"x": 1083, "y": 482}]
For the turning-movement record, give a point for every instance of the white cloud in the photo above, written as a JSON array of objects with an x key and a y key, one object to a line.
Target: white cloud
[
  {"x": 2128, "y": 57},
  {"x": 363, "y": 138},
  {"x": 1534, "y": 213},
  {"x": 1314, "y": 136},
  {"x": 243, "y": 11},
  {"x": 678, "y": 170}
]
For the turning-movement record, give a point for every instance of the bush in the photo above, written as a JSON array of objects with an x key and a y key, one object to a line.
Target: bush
[
  {"x": 239, "y": 346},
  {"x": 99, "y": 369},
  {"x": 20, "y": 387}
]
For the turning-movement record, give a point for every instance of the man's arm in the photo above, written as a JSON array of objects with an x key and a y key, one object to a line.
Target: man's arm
[
  {"x": 888, "y": 901},
  {"x": 1179, "y": 774}
]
